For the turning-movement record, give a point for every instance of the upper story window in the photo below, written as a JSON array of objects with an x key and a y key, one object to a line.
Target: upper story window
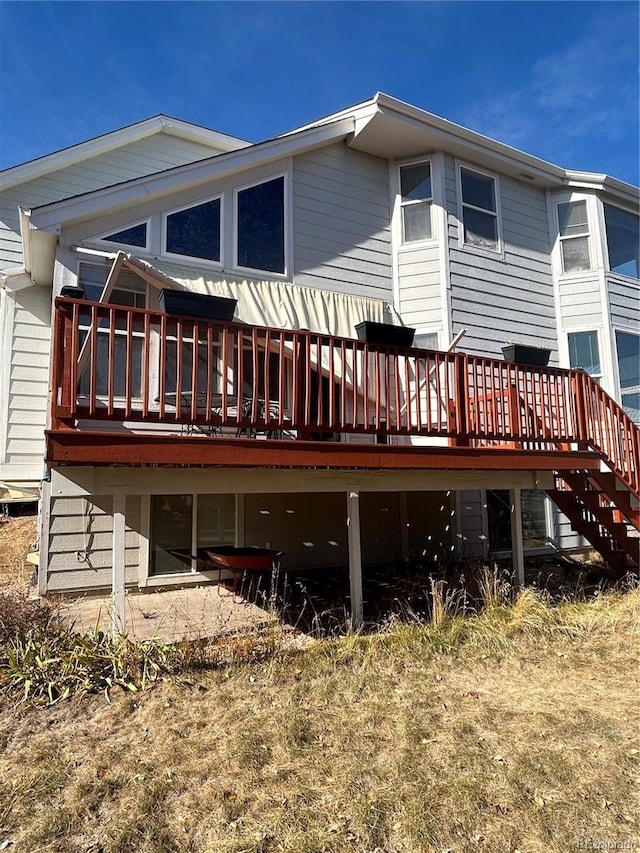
[
  {"x": 573, "y": 227},
  {"x": 584, "y": 353},
  {"x": 623, "y": 240},
  {"x": 479, "y": 209},
  {"x": 628, "y": 349},
  {"x": 260, "y": 226},
  {"x": 416, "y": 197},
  {"x": 135, "y": 235},
  {"x": 195, "y": 231}
]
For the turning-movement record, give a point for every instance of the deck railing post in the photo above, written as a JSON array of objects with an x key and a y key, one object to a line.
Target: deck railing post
[{"x": 461, "y": 413}]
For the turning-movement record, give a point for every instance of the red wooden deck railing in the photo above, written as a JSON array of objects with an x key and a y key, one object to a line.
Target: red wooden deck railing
[{"x": 117, "y": 364}]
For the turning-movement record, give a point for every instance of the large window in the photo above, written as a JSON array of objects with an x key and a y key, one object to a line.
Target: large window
[
  {"x": 195, "y": 231},
  {"x": 260, "y": 227},
  {"x": 628, "y": 347},
  {"x": 415, "y": 192},
  {"x": 584, "y": 353},
  {"x": 623, "y": 240},
  {"x": 479, "y": 209},
  {"x": 180, "y": 522},
  {"x": 574, "y": 236}
]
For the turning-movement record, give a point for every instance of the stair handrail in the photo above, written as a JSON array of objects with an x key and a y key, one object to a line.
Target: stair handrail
[{"x": 605, "y": 426}]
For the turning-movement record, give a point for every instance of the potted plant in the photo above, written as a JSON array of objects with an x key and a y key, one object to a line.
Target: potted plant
[
  {"x": 525, "y": 354},
  {"x": 187, "y": 303},
  {"x": 385, "y": 333}
]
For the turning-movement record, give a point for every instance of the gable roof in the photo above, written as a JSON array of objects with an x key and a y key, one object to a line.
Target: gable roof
[{"x": 73, "y": 154}]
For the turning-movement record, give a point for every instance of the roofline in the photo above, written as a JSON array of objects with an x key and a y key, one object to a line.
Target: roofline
[
  {"x": 114, "y": 139},
  {"x": 51, "y": 215}
]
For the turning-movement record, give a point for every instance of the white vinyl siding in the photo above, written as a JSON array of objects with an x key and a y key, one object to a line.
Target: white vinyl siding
[
  {"x": 491, "y": 294},
  {"x": 80, "y": 542},
  {"x": 341, "y": 216},
  {"x": 153, "y": 154},
  {"x": 28, "y": 384}
]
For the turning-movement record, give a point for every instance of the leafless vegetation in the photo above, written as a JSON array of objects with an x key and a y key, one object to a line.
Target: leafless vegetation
[{"x": 512, "y": 730}]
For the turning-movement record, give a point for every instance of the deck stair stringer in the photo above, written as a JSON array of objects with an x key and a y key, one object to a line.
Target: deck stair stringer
[{"x": 602, "y": 510}]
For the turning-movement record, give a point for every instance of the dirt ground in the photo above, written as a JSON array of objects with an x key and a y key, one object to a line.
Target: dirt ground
[{"x": 17, "y": 537}]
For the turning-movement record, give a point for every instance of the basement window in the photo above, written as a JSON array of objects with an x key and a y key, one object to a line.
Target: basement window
[
  {"x": 574, "y": 236},
  {"x": 416, "y": 198}
]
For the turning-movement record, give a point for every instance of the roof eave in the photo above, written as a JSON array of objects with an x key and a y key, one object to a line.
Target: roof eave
[{"x": 52, "y": 216}]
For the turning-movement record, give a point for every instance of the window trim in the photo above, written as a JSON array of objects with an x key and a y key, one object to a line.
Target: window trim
[
  {"x": 605, "y": 240},
  {"x": 597, "y": 377},
  {"x": 286, "y": 221},
  {"x": 573, "y": 199},
  {"x": 402, "y": 204},
  {"x": 219, "y": 264},
  {"x": 462, "y": 243},
  {"x": 102, "y": 238}
]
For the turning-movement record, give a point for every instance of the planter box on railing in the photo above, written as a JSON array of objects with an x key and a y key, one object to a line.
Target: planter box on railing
[
  {"x": 385, "y": 333},
  {"x": 522, "y": 354},
  {"x": 199, "y": 305}
]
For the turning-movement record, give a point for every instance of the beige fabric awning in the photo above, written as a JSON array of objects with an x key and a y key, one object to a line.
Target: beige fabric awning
[{"x": 278, "y": 304}]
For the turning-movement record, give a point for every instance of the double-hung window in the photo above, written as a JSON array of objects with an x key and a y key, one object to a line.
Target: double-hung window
[
  {"x": 479, "y": 209},
  {"x": 416, "y": 197},
  {"x": 573, "y": 230}
]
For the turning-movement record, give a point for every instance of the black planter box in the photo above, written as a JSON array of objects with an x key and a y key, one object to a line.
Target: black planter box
[
  {"x": 522, "y": 354},
  {"x": 197, "y": 304},
  {"x": 385, "y": 333}
]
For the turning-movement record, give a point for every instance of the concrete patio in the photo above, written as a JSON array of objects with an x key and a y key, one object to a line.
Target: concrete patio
[{"x": 170, "y": 615}]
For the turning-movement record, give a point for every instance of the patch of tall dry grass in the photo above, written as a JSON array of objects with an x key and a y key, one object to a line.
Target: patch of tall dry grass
[{"x": 513, "y": 730}]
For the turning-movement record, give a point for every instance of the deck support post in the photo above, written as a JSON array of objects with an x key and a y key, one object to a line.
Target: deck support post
[
  {"x": 355, "y": 558},
  {"x": 517, "y": 546},
  {"x": 118, "y": 617}
]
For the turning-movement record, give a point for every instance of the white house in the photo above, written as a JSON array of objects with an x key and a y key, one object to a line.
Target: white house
[{"x": 279, "y": 427}]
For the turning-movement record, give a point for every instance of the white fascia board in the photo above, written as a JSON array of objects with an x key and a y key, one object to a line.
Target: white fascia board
[
  {"x": 195, "y": 133},
  {"x": 115, "y": 139},
  {"x": 52, "y": 216},
  {"x": 621, "y": 190},
  {"x": 358, "y": 112},
  {"x": 475, "y": 142},
  {"x": 38, "y": 250}
]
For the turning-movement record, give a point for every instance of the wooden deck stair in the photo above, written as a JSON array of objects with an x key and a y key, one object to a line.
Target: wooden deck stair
[{"x": 602, "y": 510}]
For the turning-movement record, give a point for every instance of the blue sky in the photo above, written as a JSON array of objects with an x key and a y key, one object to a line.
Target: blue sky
[{"x": 556, "y": 79}]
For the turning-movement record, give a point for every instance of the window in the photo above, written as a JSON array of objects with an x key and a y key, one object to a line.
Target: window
[
  {"x": 628, "y": 347},
  {"x": 479, "y": 210},
  {"x": 623, "y": 240},
  {"x": 574, "y": 236},
  {"x": 426, "y": 340},
  {"x": 129, "y": 291},
  {"x": 136, "y": 235},
  {"x": 260, "y": 227},
  {"x": 195, "y": 231},
  {"x": 534, "y": 519},
  {"x": 583, "y": 352},
  {"x": 415, "y": 192},
  {"x": 177, "y": 521}
]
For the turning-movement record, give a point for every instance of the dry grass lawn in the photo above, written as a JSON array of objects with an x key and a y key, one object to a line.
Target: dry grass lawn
[
  {"x": 514, "y": 731},
  {"x": 16, "y": 537}
]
